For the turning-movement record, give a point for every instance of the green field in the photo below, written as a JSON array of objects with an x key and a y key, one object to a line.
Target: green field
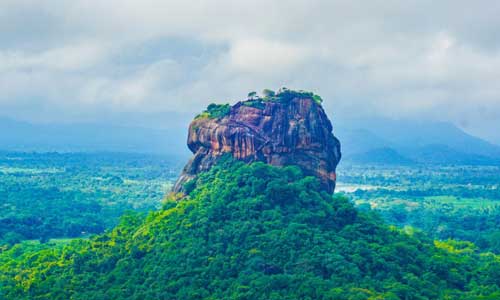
[{"x": 459, "y": 202}]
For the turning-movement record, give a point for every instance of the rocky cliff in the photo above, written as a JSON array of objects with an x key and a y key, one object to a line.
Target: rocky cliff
[{"x": 289, "y": 128}]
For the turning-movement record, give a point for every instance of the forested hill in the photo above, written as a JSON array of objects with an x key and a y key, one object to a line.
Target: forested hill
[
  {"x": 244, "y": 229},
  {"x": 252, "y": 232}
]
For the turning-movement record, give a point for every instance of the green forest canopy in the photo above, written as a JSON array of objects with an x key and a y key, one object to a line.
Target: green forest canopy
[{"x": 252, "y": 232}]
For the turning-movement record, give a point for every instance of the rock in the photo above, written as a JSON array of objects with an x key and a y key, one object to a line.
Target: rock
[{"x": 294, "y": 131}]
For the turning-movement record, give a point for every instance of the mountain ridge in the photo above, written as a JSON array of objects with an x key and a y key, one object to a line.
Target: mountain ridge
[{"x": 410, "y": 139}]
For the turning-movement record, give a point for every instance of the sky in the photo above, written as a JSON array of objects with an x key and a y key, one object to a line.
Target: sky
[{"x": 113, "y": 61}]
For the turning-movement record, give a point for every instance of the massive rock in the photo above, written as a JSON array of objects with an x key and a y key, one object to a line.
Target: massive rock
[{"x": 292, "y": 132}]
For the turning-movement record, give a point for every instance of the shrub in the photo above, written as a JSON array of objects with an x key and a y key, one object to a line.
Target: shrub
[{"x": 215, "y": 111}]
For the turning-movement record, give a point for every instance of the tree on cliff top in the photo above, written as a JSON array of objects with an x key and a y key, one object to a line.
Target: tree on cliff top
[{"x": 252, "y": 95}]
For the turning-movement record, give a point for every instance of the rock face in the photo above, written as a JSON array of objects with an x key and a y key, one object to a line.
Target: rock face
[{"x": 295, "y": 132}]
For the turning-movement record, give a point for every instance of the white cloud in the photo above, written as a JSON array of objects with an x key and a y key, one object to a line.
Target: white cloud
[
  {"x": 66, "y": 58},
  {"x": 266, "y": 56},
  {"x": 422, "y": 59}
]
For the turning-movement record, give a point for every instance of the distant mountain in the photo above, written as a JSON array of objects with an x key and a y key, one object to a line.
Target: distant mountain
[
  {"x": 355, "y": 141},
  {"x": 23, "y": 136},
  {"x": 383, "y": 140},
  {"x": 442, "y": 154},
  {"x": 387, "y": 156}
]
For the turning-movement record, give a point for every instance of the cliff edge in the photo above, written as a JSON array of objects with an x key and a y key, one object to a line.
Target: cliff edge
[{"x": 286, "y": 128}]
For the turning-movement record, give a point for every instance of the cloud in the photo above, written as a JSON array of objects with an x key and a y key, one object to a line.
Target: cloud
[
  {"x": 266, "y": 56},
  {"x": 142, "y": 86},
  {"x": 66, "y": 58},
  {"x": 411, "y": 59}
]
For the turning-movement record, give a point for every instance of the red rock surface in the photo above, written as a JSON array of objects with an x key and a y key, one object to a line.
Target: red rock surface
[{"x": 294, "y": 133}]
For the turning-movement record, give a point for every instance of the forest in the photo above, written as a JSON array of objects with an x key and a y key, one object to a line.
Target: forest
[
  {"x": 252, "y": 232},
  {"x": 95, "y": 226},
  {"x": 446, "y": 202},
  {"x": 54, "y": 195}
]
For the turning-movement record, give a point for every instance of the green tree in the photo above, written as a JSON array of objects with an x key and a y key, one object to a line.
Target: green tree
[
  {"x": 252, "y": 95},
  {"x": 267, "y": 93}
]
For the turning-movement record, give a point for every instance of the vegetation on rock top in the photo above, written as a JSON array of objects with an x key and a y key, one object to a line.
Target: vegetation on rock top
[
  {"x": 215, "y": 111},
  {"x": 284, "y": 95}
]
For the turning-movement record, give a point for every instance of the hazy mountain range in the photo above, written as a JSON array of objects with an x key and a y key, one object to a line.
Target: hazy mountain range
[
  {"x": 406, "y": 142},
  {"x": 85, "y": 137},
  {"x": 363, "y": 141}
]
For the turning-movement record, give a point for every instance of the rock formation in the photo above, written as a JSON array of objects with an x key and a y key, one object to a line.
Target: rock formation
[{"x": 291, "y": 128}]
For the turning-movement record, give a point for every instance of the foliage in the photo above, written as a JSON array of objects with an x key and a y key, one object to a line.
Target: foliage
[
  {"x": 285, "y": 95},
  {"x": 252, "y": 232},
  {"x": 51, "y": 195},
  {"x": 215, "y": 111},
  {"x": 252, "y": 95},
  {"x": 447, "y": 202},
  {"x": 267, "y": 93},
  {"x": 318, "y": 99}
]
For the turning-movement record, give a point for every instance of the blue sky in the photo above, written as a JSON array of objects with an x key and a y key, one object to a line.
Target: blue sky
[{"x": 85, "y": 60}]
